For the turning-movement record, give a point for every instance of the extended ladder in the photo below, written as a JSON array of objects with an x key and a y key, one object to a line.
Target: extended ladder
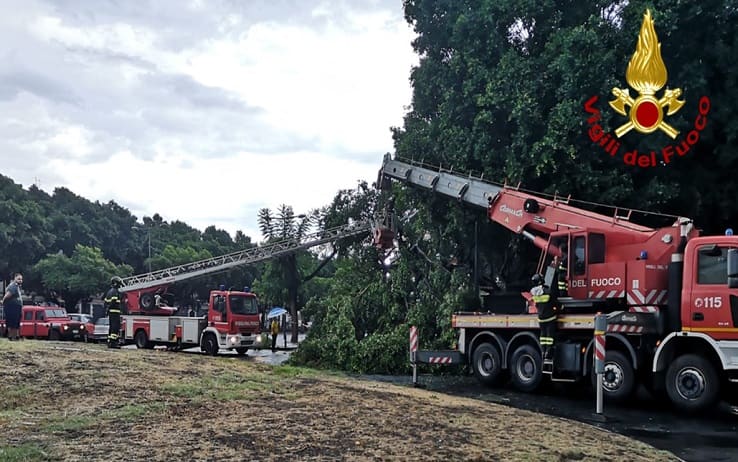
[{"x": 243, "y": 257}]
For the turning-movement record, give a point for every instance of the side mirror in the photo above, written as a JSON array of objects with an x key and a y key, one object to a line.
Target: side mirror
[
  {"x": 733, "y": 283},
  {"x": 732, "y": 263}
]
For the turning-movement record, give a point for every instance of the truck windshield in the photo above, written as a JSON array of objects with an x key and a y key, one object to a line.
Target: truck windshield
[
  {"x": 56, "y": 314},
  {"x": 243, "y": 305}
]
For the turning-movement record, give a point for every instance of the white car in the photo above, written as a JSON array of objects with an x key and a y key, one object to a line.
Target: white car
[{"x": 100, "y": 331}]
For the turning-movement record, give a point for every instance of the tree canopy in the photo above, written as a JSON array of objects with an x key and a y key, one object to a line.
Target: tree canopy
[{"x": 500, "y": 92}]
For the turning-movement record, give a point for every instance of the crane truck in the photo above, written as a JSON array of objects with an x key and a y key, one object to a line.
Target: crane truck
[
  {"x": 669, "y": 294},
  {"x": 232, "y": 321}
]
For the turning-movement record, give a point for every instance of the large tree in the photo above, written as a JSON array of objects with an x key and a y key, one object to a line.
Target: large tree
[
  {"x": 500, "y": 91},
  {"x": 501, "y": 86},
  {"x": 282, "y": 278},
  {"x": 84, "y": 273}
]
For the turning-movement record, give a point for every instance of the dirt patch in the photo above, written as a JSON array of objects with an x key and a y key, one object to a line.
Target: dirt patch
[{"x": 89, "y": 403}]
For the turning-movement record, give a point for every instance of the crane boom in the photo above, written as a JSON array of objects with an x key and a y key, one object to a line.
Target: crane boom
[
  {"x": 255, "y": 254},
  {"x": 473, "y": 191},
  {"x": 533, "y": 216}
]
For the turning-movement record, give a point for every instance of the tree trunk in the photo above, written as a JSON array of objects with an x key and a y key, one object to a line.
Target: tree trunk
[{"x": 293, "y": 284}]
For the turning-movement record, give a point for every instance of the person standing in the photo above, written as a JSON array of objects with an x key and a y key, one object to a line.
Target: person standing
[
  {"x": 561, "y": 271},
  {"x": 112, "y": 305},
  {"x": 275, "y": 333},
  {"x": 13, "y": 305},
  {"x": 546, "y": 304}
]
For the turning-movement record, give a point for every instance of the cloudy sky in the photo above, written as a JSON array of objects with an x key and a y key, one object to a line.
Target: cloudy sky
[{"x": 201, "y": 110}]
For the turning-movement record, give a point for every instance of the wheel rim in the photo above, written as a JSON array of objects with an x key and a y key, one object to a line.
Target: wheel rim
[
  {"x": 613, "y": 377},
  {"x": 486, "y": 364},
  {"x": 526, "y": 368},
  {"x": 690, "y": 383}
]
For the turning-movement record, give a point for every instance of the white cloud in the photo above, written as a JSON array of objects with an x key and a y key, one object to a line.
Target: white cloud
[
  {"x": 225, "y": 192},
  {"x": 202, "y": 114}
]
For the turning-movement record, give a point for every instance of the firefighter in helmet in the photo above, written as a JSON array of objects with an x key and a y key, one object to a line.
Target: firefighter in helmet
[
  {"x": 561, "y": 271},
  {"x": 112, "y": 306},
  {"x": 546, "y": 304}
]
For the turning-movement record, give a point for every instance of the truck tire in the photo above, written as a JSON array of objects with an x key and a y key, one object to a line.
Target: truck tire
[
  {"x": 210, "y": 345},
  {"x": 54, "y": 335},
  {"x": 619, "y": 378},
  {"x": 142, "y": 340},
  {"x": 692, "y": 383},
  {"x": 525, "y": 368},
  {"x": 487, "y": 364},
  {"x": 146, "y": 301},
  {"x": 241, "y": 351}
]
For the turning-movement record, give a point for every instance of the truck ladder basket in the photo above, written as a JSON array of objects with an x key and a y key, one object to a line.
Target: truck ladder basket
[{"x": 231, "y": 260}]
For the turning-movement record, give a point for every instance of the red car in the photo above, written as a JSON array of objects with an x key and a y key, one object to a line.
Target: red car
[
  {"x": 85, "y": 319},
  {"x": 51, "y": 322}
]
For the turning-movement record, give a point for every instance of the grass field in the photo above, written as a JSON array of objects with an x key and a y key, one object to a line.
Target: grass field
[{"x": 82, "y": 402}]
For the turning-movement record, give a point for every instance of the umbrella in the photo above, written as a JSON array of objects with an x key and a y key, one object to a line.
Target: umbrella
[{"x": 276, "y": 312}]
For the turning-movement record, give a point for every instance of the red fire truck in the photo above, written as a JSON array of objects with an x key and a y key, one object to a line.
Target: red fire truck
[
  {"x": 670, "y": 295},
  {"x": 232, "y": 321}
]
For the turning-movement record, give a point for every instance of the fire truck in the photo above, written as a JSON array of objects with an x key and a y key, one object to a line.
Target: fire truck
[
  {"x": 670, "y": 296},
  {"x": 232, "y": 321}
]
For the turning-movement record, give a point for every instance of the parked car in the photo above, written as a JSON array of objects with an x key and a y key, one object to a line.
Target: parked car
[
  {"x": 85, "y": 319},
  {"x": 100, "y": 332},
  {"x": 50, "y": 322}
]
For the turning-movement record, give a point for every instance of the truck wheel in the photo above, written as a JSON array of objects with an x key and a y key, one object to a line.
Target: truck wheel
[
  {"x": 142, "y": 340},
  {"x": 210, "y": 345},
  {"x": 692, "y": 383},
  {"x": 241, "y": 351},
  {"x": 54, "y": 335},
  {"x": 618, "y": 381},
  {"x": 487, "y": 364},
  {"x": 146, "y": 301},
  {"x": 525, "y": 368}
]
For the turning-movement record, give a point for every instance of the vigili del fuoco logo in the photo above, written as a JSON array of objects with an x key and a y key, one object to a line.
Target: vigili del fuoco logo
[{"x": 647, "y": 112}]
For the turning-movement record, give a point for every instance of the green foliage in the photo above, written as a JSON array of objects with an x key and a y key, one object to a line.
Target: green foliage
[
  {"x": 26, "y": 452},
  {"x": 172, "y": 256},
  {"x": 500, "y": 91},
  {"x": 282, "y": 277},
  {"x": 501, "y": 85},
  {"x": 85, "y": 272},
  {"x": 35, "y": 225}
]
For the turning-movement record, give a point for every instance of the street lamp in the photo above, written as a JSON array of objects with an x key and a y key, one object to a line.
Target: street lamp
[{"x": 148, "y": 238}]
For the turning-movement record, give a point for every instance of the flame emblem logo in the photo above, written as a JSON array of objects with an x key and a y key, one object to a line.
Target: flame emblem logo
[{"x": 646, "y": 74}]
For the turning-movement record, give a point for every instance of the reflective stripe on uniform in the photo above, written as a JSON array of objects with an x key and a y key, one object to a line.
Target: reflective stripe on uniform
[
  {"x": 562, "y": 274},
  {"x": 112, "y": 299},
  {"x": 541, "y": 298},
  {"x": 552, "y": 318},
  {"x": 113, "y": 311},
  {"x": 547, "y": 341}
]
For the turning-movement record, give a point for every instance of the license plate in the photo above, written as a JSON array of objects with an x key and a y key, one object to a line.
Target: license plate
[{"x": 75, "y": 331}]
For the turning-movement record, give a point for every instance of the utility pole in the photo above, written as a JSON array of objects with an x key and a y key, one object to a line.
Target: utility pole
[
  {"x": 148, "y": 235},
  {"x": 148, "y": 240}
]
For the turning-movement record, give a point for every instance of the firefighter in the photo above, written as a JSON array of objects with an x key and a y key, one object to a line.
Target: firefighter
[
  {"x": 546, "y": 304},
  {"x": 561, "y": 271},
  {"x": 112, "y": 305}
]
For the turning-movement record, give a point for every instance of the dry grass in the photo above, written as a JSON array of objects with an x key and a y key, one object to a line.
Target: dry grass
[{"x": 75, "y": 402}]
